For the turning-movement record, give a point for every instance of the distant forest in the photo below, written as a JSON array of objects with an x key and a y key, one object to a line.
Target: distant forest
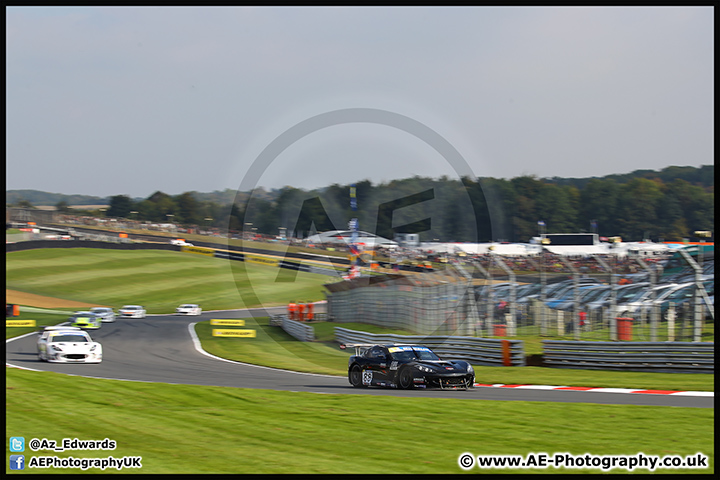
[{"x": 669, "y": 205}]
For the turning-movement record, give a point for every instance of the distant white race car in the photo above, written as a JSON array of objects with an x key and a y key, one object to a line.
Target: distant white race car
[
  {"x": 106, "y": 314},
  {"x": 189, "y": 309},
  {"x": 181, "y": 242},
  {"x": 67, "y": 345},
  {"x": 132, "y": 311}
]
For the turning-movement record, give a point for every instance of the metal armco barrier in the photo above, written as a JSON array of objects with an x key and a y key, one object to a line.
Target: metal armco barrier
[
  {"x": 324, "y": 271},
  {"x": 122, "y": 244},
  {"x": 240, "y": 257},
  {"x": 478, "y": 351},
  {"x": 278, "y": 262},
  {"x": 33, "y": 244},
  {"x": 686, "y": 357},
  {"x": 299, "y": 330}
]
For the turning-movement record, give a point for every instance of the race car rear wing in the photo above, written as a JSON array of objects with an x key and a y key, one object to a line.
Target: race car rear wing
[
  {"x": 57, "y": 327},
  {"x": 361, "y": 347}
]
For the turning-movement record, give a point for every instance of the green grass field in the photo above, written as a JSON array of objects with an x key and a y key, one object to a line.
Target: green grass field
[{"x": 192, "y": 429}]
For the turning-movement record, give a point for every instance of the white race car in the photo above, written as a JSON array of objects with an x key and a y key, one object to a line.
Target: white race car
[
  {"x": 188, "y": 309},
  {"x": 181, "y": 242},
  {"x": 106, "y": 314},
  {"x": 132, "y": 311},
  {"x": 67, "y": 345}
]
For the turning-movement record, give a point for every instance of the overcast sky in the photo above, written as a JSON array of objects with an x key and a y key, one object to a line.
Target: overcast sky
[{"x": 125, "y": 100}]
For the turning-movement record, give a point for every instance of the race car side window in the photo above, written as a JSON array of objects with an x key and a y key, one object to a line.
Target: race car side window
[
  {"x": 405, "y": 356},
  {"x": 376, "y": 352}
]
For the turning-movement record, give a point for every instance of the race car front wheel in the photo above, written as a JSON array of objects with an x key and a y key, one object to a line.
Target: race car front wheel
[{"x": 356, "y": 376}]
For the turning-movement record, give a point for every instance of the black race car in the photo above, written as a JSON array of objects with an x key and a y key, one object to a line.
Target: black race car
[{"x": 406, "y": 366}]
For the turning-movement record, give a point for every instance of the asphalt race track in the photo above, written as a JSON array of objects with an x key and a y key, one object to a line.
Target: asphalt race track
[{"x": 161, "y": 349}]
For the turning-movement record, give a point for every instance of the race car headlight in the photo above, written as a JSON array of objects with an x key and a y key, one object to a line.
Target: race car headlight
[
  {"x": 92, "y": 349},
  {"x": 55, "y": 347},
  {"x": 470, "y": 369},
  {"x": 425, "y": 369}
]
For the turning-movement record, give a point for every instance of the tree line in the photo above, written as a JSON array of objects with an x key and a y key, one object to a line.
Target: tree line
[{"x": 668, "y": 205}]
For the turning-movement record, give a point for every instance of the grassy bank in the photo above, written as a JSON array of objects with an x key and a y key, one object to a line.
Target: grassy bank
[
  {"x": 158, "y": 280},
  {"x": 183, "y": 428}
]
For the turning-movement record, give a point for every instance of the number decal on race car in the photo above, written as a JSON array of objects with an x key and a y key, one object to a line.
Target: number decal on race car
[
  {"x": 367, "y": 377},
  {"x": 394, "y": 365}
]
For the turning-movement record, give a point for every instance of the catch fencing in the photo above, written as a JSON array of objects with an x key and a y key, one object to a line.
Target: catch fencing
[
  {"x": 687, "y": 357},
  {"x": 600, "y": 324},
  {"x": 426, "y": 304},
  {"x": 501, "y": 308}
]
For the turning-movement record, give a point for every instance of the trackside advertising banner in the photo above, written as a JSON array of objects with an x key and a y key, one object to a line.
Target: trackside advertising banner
[
  {"x": 238, "y": 333},
  {"x": 227, "y": 322},
  {"x": 199, "y": 250},
  {"x": 257, "y": 259},
  {"x": 19, "y": 323},
  {"x": 269, "y": 261}
]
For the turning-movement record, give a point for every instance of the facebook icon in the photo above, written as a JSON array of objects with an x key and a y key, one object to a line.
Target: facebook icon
[{"x": 17, "y": 462}]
